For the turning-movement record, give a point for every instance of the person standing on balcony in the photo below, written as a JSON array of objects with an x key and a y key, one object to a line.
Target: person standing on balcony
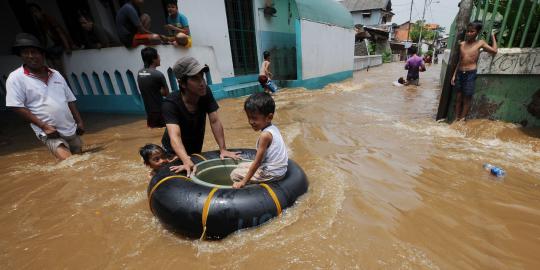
[
  {"x": 185, "y": 115},
  {"x": 41, "y": 96},
  {"x": 153, "y": 87},
  {"x": 178, "y": 25},
  {"x": 133, "y": 30},
  {"x": 52, "y": 35},
  {"x": 465, "y": 74}
]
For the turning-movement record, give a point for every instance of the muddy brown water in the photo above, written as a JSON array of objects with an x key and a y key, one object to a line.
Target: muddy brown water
[{"x": 391, "y": 188}]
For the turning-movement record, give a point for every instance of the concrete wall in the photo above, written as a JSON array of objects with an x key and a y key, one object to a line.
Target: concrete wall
[
  {"x": 108, "y": 87},
  {"x": 374, "y": 19},
  {"x": 364, "y": 62},
  {"x": 276, "y": 34},
  {"x": 324, "y": 58},
  {"x": 208, "y": 26}
]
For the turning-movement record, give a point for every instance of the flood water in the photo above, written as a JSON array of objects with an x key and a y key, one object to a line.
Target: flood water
[{"x": 390, "y": 188}]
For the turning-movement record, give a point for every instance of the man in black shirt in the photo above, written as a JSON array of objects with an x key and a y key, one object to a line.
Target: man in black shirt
[
  {"x": 153, "y": 87},
  {"x": 185, "y": 113}
]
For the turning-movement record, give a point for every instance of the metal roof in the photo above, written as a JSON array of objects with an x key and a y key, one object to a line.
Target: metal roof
[
  {"x": 357, "y": 5},
  {"x": 325, "y": 11}
]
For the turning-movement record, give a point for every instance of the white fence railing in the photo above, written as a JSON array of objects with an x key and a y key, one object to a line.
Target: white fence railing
[{"x": 364, "y": 62}]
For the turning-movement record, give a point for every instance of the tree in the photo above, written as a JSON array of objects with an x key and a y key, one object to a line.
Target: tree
[{"x": 427, "y": 34}]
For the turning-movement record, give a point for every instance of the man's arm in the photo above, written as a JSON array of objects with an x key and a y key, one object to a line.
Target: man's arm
[
  {"x": 219, "y": 135},
  {"x": 165, "y": 90},
  {"x": 184, "y": 30},
  {"x": 27, "y": 115},
  {"x": 77, "y": 117},
  {"x": 490, "y": 49},
  {"x": 453, "y": 81},
  {"x": 142, "y": 30},
  {"x": 175, "y": 136},
  {"x": 164, "y": 86}
]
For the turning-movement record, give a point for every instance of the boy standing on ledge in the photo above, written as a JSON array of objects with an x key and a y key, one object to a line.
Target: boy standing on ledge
[{"x": 465, "y": 74}]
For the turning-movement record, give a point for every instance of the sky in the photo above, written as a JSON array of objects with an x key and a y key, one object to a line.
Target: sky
[{"x": 441, "y": 12}]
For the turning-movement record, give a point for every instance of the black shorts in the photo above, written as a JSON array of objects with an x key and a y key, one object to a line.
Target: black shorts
[
  {"x": 465, "y": 82},
  {"x": 155, "y": 120}
]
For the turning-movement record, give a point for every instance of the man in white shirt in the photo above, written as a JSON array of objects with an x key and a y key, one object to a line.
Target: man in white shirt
[{"x": 41, "y": 96}]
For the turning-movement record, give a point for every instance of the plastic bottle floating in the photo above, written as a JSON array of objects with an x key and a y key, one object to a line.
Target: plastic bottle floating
[{"x": 494, "y": 170}]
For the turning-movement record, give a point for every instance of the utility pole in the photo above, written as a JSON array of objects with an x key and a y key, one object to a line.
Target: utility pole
[
  {"x": 410, "y": 17},
  {"x": 465, "y": 10},
  {"x": 421, "y": 29}
]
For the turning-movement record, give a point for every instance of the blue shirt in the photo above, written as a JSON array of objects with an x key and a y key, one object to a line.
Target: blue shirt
[{"x": 179, "y": 20}]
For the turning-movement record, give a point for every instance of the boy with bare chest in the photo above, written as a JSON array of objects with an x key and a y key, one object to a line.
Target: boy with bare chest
[{"x": 465, "y": 74}]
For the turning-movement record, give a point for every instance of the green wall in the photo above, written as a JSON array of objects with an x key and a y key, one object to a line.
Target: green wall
[{"x": 503, "y": 97}]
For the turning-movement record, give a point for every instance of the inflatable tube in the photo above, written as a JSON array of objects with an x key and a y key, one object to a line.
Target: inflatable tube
[{"x": 197, "y": 208}]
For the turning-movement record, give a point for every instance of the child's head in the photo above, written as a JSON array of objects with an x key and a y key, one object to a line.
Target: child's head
[
  {"x": 401, "y": 80},
  {"x": 150, "y": 56},
  {"x": 260, "y": 108},
  {"x": 153, "y": 156},
  {"x": 172, "y": 7},
  {"x": 266, "y": 55},
  {"x": 473, "y": 29}
]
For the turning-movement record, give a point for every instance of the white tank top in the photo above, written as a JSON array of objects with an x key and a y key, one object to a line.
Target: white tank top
[{"x": 275, "y": 159}]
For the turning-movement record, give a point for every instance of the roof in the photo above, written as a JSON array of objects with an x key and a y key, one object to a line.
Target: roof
[
  {"x": 325, "y": 11},
  {"x": 357, "y": 5}
]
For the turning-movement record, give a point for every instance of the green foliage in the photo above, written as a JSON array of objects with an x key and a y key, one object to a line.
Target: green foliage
[
  {"x": 387, "y": 56},
  {"x": 427, "y": 34},
  {"x": 372, "y": 47}
]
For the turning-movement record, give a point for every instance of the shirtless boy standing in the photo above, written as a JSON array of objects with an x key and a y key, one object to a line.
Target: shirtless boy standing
[{"x": 465, "y": 74}]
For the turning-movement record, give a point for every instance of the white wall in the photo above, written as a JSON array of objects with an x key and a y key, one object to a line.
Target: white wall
[
  {"x": 279, "y": 22},
  {"x": 374, "y": 19},
  {"x": 363, "y": 62},
  {"x": 208, "y": 26},
  {"x": 325, "y": 54},
  {"x": 131, "y": 60}
]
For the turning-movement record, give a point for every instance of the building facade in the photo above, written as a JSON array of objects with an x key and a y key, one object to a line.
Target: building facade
[
  {"x": 229, "y": 36},
  {"x": 369, "y": 12}
]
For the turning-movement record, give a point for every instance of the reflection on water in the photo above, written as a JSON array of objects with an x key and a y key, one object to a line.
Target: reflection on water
[{"x": 390, "y": 188}]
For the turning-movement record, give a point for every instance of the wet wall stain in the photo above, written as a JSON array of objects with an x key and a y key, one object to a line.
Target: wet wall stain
[{"x": 485, "y": 108}]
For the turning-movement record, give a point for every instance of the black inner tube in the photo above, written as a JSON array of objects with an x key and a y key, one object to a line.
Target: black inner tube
[{"x": 214, "y": 211}]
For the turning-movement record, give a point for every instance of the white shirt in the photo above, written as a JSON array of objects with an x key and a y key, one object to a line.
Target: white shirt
[
  {"x": 397, "y": 84},
  {"x": 47, "y": 101},
  {"x": 275, "y": 159}
]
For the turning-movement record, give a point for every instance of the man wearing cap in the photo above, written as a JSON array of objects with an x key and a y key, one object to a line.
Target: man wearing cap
[
  {"x": 185, "y": 113},
  {"x": 41, "y": 96}
]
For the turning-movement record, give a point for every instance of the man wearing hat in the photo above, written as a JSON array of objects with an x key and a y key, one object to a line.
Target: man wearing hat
[
  {"x": 41, "y": 96},
  {"x": 185, "y": 113}
]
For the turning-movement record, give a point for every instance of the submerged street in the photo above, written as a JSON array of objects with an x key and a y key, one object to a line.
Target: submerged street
[{"x": 390, "y": 188}]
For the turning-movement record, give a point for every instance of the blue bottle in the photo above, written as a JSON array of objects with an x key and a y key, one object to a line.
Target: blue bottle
[{"x": 494, "y": 170}]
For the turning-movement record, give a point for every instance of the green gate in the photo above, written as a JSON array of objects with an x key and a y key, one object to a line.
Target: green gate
[{"x": 242, "y": 36}]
